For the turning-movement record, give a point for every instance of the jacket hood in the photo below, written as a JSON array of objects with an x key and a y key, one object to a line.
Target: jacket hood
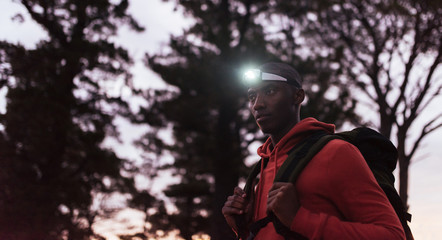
[{"x": 300, "y": 131}]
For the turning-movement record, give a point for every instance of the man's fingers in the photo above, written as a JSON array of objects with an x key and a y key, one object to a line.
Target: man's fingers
[
  {"x": 273, "y": 197},
  {"x": 238, "y": 191},
  {"x": 278, "y": 185},
  {"x": 235, "y": 205},
  {"x": 276, "y": 192},
  {"x": 227, "y": 210},
  {"x": 238, "y": 199},
  {"x": 276, "y": 188},
  {"x": 271, "y": 204}
]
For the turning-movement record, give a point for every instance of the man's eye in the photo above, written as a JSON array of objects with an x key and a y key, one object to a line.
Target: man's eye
[
  {"x": 270, "y": 91},
  {"x": 251, "y": 97}
]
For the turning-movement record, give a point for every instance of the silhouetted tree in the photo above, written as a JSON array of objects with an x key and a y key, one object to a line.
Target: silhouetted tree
[
  {"x": 155, "y": 212},
  {"x": 59, "y": 110},
  {"x": 389, "y": 50}
]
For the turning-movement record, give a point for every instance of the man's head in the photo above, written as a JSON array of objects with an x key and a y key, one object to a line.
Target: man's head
[{"x": 275, "y": 98}]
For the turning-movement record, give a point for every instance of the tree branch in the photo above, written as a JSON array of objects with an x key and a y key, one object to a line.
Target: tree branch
[
  {"x": 246, "y": 21},
  {"x": 430, "y": 99},
  {"x": 373, "y": 72},
  {"x": 425, "y": 131},
  {"x": 394, "y": 33},
  {"x": 363, "y": 89},
  {"x": 53, "y": 27},
  {"x": 417, "y": 102},
  {"x": 408, "y": 65}
]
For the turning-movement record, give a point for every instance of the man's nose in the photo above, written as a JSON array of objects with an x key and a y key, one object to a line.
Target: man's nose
[{"x": 259, "y": 102}]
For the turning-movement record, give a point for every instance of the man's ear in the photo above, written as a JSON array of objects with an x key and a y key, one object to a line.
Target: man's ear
[{"x": 299, "y": 96}]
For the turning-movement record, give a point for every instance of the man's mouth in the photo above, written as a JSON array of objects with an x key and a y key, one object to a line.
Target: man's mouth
[{"x": 261, "y": 117}]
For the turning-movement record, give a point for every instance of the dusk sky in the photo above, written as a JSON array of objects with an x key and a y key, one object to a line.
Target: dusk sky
[{"x": 160, "y": 21}]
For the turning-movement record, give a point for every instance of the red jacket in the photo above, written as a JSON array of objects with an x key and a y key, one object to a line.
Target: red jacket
[{"x": 339, "y": 196}]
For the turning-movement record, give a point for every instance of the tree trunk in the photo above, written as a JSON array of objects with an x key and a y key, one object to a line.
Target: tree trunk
[
  {"x": 386, "y": 120},
  {"x": 187, "y": 234},
  {"x": 404, "y": 163},
  {"x": 225, "y": 181},
  {"x": 225, "y": 171},
  {"x": 403, "y": 180}
]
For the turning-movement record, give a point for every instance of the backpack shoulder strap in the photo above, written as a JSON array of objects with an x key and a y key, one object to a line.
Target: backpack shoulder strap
[
  {"x": 303, "y": 147},
  {"x": 299, "y": 157},
  {"x": 252, "y": 175}
]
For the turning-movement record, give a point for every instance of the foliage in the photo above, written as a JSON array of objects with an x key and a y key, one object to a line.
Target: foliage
[{"x": 58, "y": 113}]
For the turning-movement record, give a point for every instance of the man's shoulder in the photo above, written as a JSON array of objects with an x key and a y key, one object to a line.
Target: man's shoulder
[{"x": 339, "y": 148}]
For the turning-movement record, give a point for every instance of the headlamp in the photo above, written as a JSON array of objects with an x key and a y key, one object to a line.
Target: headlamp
[{"x": 254, "y": 76}]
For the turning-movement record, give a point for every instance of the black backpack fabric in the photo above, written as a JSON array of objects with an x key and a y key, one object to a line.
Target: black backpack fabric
[{"x": 378, "y": 151}]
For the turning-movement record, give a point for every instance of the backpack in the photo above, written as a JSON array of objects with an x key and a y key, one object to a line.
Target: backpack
[{"x": 378, "y": 151}]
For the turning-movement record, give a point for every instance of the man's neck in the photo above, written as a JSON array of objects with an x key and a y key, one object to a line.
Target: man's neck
[{"x": 275, "y": 138}]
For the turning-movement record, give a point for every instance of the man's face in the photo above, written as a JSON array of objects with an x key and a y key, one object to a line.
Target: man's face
[{"x": 274, "y": 107}]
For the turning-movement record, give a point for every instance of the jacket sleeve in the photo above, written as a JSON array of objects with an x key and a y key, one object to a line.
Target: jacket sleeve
[{"x": 353, "y": 190}]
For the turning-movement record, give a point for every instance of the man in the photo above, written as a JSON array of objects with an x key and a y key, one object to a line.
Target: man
[{"x": 335, "y": 197}]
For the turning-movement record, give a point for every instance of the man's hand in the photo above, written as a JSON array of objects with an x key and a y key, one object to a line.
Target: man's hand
[
  {"x": 283, "y": 202},
  {"x": 237, "y": 204}
]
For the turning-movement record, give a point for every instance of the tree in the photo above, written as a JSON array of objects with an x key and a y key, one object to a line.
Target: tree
[
  {"x": 389, "y": 50},
  {"x": 207, "y": 108},
  {"x": 155, "y": 212},
  {"x": 58, "y": 113}
]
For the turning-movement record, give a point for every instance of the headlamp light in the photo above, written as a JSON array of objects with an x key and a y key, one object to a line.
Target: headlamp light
[{"x": 254, "y": 76}]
